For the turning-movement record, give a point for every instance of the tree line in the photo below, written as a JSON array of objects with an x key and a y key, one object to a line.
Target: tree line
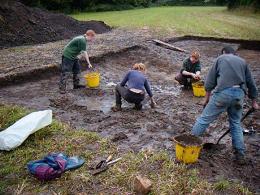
[{"x": 108, "y": 5}]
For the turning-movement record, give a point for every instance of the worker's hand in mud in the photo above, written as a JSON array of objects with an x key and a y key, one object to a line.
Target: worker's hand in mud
[
  {"x": 255, "y": 105},
  {"x": 194, "y": 76},
  {"x": 153, "y": 104},
  {"x": 198, "y": 77},
  {"x": 90, "y": 66}
]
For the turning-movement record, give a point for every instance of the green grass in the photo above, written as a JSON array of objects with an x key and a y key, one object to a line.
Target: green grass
[
  {"x": 168, "y": 177},
  {"x": 203, "y": 21}
]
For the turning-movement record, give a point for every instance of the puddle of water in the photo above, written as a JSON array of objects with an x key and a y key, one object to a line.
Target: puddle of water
[
  {"x": 167, "y": 90},
  {"x": 103, "y": 104}
]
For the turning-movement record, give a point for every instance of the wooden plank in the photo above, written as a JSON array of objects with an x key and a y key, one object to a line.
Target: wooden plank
[{"x": 169, "y": 45}]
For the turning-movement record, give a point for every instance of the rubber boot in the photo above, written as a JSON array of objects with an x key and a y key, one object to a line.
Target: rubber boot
[
  {"x": 63, "y": 82},
  {"x": 116, "y": 108},
  {"x": 239, "y": 158},
  {"x": 76, "y": 80},
  {"x": 138, "y": 106}
]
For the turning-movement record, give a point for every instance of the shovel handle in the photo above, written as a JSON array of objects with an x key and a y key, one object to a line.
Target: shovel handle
[{"x": 250, "y": 111}]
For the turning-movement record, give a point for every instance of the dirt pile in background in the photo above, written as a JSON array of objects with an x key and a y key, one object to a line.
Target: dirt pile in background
[{"x": 22, "y": 25}]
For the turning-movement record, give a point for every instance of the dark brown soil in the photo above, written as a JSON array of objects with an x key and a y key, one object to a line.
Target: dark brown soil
[
  {"x": 188, "y": 140},
  {"x": 22, "y": 25},
  {"x": 150, "y": 129}
]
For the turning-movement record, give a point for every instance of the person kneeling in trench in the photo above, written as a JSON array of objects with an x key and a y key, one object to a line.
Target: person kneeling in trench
[
  {"x": 134, "y": 92},
  {"x": 190, "y": 71}
]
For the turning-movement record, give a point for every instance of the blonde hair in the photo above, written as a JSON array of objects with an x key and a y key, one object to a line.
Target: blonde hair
[
  {"x": 91, "y": 33},
  {"x": 195, "y": 54},
  {"x": 139, "y": 66}
]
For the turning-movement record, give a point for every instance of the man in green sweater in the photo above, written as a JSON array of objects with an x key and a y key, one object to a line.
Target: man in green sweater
[
  {"x": 190, "y": 70},
  {"x": 70, "y": 61}
]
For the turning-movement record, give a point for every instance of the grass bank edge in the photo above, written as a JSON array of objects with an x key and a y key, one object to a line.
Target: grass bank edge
[{"x": 168, "y": 176}]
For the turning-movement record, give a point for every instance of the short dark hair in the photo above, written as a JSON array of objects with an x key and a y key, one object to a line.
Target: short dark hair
[{"x": 228, "y": 50}]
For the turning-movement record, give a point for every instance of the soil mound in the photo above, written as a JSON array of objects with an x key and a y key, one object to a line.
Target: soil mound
[{"x": 22, "y": 25}]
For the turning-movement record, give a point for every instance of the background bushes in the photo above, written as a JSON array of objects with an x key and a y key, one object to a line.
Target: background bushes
[{"x": 110, "y": 5}]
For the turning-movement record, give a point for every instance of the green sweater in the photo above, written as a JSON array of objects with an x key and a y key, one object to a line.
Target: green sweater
[
  {"x": 189, "y": 67},
  {"x": 75, "y": 47}
]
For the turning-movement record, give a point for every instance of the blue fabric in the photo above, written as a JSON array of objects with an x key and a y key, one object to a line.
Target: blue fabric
[
  {"x": 53, "y": 165},
  {"x": 230, "y": 100},
  {"x": 136, "y": 79}
]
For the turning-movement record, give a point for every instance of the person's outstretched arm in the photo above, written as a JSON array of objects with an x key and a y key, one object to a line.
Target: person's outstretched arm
[
  {"x": 252, "y": 90},
  {"x": 125, "y": 79},
  {"x": 87, "y": 59},
  {"x": 149, "y": 91}
]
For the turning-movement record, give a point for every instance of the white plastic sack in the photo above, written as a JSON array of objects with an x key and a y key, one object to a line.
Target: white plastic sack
[{"x": 15, "y": 135}]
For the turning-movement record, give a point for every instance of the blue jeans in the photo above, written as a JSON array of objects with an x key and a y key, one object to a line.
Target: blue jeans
[{"x": 230, "y": 100}]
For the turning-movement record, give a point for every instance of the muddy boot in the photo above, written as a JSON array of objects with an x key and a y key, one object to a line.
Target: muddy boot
[
  {"x": 116, "y": 108},
  {"x": 138, "y": 106},
  {"x": 76, "y": 80},
  {"x": 188, "y": 84},
  {"x": 63, "y": 83},
  {"x": 239, "y": 159}
]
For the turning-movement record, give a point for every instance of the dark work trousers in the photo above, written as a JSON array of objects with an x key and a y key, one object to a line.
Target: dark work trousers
[
  {"x": 67, "y": 67},
  {"x": 184, "y": 80},
  {"x": 129, "y": 96}
]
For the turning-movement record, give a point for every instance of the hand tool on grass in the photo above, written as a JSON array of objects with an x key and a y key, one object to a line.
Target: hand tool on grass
[
  {"x": 103, "y": 162},
  {"x": 104, "y": 165},
  {"x": 209, "y": 146}
]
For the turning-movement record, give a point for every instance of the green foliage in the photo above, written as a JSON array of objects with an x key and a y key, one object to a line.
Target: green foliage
[
  {"x": 222, "y": 185},
  {"x": 187, "y": 2},
  {"x": 232, "y": 4},
  {"x": 89, "y": 5}
]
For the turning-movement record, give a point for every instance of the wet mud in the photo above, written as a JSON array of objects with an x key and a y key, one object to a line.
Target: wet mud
[
  {"x": 188, "y": 140},
  {"x": 149, "y": 129}
]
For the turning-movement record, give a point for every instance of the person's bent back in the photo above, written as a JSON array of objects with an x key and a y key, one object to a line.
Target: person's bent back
[{"x": 134, "y": 92}]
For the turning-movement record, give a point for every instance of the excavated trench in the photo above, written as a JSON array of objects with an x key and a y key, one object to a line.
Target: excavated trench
[{"x": 150, "y": 129}]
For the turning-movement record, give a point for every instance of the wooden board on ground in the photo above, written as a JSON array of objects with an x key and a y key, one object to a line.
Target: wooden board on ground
[{"x": 168, "y": 45}]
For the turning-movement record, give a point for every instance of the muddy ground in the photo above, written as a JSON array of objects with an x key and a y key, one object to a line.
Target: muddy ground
[{"x": 150, "y": 129}]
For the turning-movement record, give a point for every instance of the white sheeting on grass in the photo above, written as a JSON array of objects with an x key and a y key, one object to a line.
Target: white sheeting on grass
[{"x": 16, "y": 134}]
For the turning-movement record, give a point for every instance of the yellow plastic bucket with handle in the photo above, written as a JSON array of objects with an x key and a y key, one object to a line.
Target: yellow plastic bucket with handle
[
  {"x": 199, "y": 89},
  {"x": 92, "y": 79},
  {"x": 187, "y": 148}
]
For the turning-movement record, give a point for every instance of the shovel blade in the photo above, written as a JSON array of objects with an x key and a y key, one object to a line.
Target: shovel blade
[{"x": 209, "y": 146}]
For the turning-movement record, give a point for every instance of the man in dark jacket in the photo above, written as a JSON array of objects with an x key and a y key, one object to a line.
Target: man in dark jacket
[
  {"x": 231, "y": 79},
  {"x": 190, "y": 70}
]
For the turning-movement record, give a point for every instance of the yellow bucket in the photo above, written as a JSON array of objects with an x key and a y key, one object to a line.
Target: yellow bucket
[
  {"x": 92, "y": 79},
  {"x": 187, "y": 148},
  {"x": 199, "y": 89}
]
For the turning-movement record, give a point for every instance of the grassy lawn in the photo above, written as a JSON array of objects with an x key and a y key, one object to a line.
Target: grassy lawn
[
  {"x": 168, "y": 177},
  {"x": 203, "y": 21}
]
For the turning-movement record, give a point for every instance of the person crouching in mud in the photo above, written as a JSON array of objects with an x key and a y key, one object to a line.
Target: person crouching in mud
[
  {"x": 70, "y": 62},
  {"x": 190, "y": 71},
  {"x": 134, "y": 91}
]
